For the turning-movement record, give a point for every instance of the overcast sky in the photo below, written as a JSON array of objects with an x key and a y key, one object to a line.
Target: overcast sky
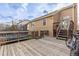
[{"x": 16, "y": 11}]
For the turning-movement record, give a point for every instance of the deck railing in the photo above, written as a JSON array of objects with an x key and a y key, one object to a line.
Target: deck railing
[{"x": 11, "y": 36}]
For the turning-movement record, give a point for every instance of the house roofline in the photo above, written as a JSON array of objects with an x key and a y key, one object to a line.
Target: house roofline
[{"x": 53, "y": 13}]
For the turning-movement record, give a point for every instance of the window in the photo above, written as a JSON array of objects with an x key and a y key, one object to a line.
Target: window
[{"x": 44, "y": 22}]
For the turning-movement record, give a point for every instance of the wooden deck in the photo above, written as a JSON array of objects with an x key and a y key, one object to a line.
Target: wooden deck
[{"x": 41, "y": 47}]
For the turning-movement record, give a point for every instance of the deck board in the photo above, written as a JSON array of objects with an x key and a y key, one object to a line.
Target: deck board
[{"x": 41, "y": 47}]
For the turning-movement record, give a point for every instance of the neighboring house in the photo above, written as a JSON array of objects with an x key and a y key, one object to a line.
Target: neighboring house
[
  {"x": 47, "y": 24},
  {"x": 4, "y": 26},
  {"x": 22, "y": 25}
]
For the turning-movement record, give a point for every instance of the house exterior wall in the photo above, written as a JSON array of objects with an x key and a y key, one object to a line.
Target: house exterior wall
[
  {"x": 38, "y": 25},
  {"x": 64, "y": 12}
]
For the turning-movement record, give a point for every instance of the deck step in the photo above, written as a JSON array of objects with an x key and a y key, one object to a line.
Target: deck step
[{"x": 61, "y": 38}]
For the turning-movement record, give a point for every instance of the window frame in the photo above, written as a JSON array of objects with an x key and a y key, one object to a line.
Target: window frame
[{"x": 44, "y": 22}]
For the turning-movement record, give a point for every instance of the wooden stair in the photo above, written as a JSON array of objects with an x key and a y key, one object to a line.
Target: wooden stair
[{"x": 64, "y": 33}]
